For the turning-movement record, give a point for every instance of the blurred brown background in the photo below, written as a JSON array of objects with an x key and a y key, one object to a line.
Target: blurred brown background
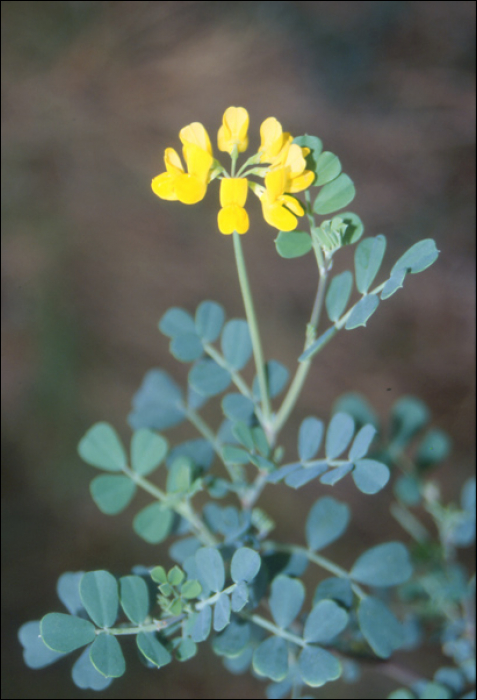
[{"x": 93, "y": 92}]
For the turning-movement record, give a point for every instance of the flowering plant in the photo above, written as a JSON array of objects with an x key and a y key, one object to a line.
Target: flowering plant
[{"x": 231, "y": 582}]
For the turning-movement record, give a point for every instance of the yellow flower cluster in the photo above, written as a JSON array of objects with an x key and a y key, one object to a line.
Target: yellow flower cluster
[{"x": 279, "y": 161}]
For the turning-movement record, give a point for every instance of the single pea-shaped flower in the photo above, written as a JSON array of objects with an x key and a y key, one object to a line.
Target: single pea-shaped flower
[
  {"x": 188, "y": 187},
  {"x": 176, "y": 184},
  {"x": 279, "y": 208},
  {"x": 233, "y": 195},
  {"x": 233, "y": 132}
]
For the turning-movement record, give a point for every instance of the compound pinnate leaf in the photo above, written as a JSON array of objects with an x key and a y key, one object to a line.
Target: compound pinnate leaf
[
  {"x": 293, "y": 244},
  {"x": 236, "y": 343},
  {"x": 200, "y": 628},
  {"x": 176, "y": 321},
  {"x": 300, "y": 477},
  {"x": 354, "y": 227},
  {"x": 209, "y": 319},
  {"x": 158, "y": 404},
  {"x": 339, "y": 434},
  {"x": 107, "y": 657},
  {"x": 134, "y": 597},
  {"x": 394, "y": 283},
  {"x": 362, "y": 312},
  {"x": 419, "y": 257},
  {"x": 221, "y": 613},
  {"x": 239, "y": 597},
  {"x": 334, "y": 195},
  {"x": 187, "y": 347},
  {"x": 367, "y": 260},
  {"x": 102, "y": 448},
  {"x": 338, "y": 295},
  {"x": 152, "y": 649},
  {"x": 65, "y": 633},
  {"x": 210, "y": 567},
  {"x": 112, "y": 494},
  {"x": 328, "y": 167},
  {"x": 238, "y": 407},
  {"x": 270, "y": 659},
  {"x": 309, "y": 438},
  {"x": 326, "y": 620},
  {"x": 67, "y": 589},
  {"x": 245, "y": 564},
  {"x": 153, "y": 523},
  {"x": 338, "y": 589},
  {"x": 191, "y": 589},
  {"x": 336, "y": 474},
  {"x": 148, "y": 449},
  {"x": 208, "y": 378},
  {"x": 317, "y": 666},
  {"x": 370, "y": 476},
  {"x": 362, "y": 442},
  {"x": 326, "y": 522},
  {"x": 235, "y": 455},
  {"x": 86, "y": 676},
  {"x": 381, "y": 629},
  {"x": 35, "y": 652},
  {"x": 99, "y": 595},
  {"x": 386, "y": 564},
  {"x": 286, "y": 599},
  {"x": 409, "y": 415},
  {"x": 233, "y": 640},
  {"x": 434, "y": 448}
]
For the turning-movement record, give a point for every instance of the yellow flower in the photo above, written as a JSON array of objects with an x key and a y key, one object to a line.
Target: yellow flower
[
  {"x": 233, "y": 195},
  {"x": 273, "y": 140},
  {"x": 233, "y": 132},
  {"x": 196, "y": 134},
  {"x": 282, "y": 162},
  {"x": 293, "y": 160},
  {"x": 279, "y": 209},
  {"x": 188, "y": 187}
]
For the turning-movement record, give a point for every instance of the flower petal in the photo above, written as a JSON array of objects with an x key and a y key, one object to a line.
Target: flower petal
[
  {"x": 233, "y": 190},
  {"x": 196, "y": 134},
  {"x": 233, "y": 218},
  {"x": 173, "y": 161},
  {"x": 233, "y": 131},
  {"x": 297, "y": 184},
  {"x": 164, "y": 186},
  {"x": 275, "y": 182},
  {"x": 199, "y": 162},
  {"x": 272, "y": 139},
  {"x": 189, "y": 189},
  {"x": 278, "y": 216}
]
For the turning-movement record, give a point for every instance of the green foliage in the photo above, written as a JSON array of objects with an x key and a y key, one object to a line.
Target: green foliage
[
  {"x": 326, "y": 522},
  {"x": 230, "y": 583},
  {"x": 293, "y": 244},
  {"x": 102, "y": 448}
]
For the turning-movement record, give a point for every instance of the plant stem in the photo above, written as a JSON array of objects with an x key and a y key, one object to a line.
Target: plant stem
[
  {"x": 236, "y": 378},
  {"x": 254, "y": 332},
  {"x": 316, "y": 559},
  {"x": 250, "y": 497},
  {"x": 154, "y": 626},
  {"x": 266, "y": 625},
  {"x": 303, "y": 367},
  {"x": 183, "y": 508},
  {"x": 207, "y": 433}
]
